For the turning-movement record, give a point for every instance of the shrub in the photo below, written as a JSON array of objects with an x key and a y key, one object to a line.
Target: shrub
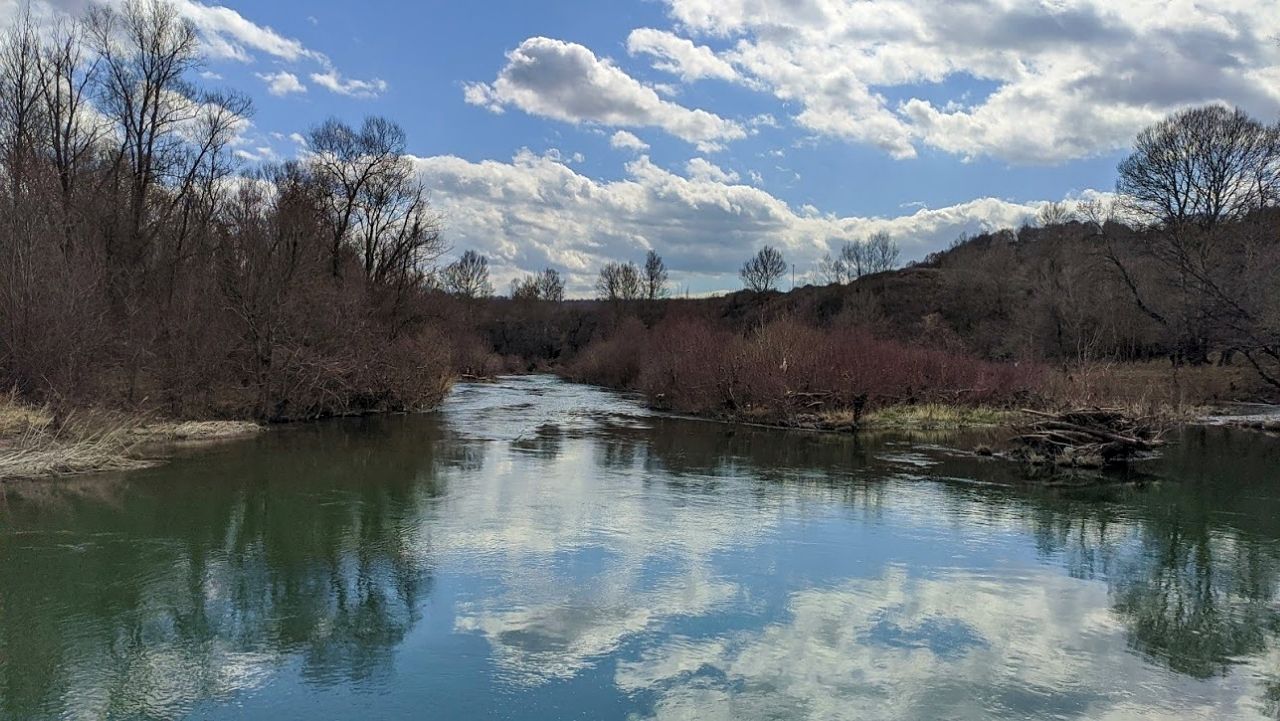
[{"x": 787, "y": 367}]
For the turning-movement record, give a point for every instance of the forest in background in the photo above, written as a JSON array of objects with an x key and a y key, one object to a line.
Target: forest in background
[{"x": 1162, "y": 298}]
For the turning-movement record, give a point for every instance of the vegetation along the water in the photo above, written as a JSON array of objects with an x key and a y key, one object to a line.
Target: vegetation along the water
[{"x": 149, "y": 271}]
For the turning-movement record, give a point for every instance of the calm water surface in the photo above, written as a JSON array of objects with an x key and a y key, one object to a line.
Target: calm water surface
[{"x": 538, "y": 550}]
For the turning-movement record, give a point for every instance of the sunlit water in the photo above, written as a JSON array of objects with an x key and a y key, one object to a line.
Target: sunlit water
[{"x": 538, "y": 550}]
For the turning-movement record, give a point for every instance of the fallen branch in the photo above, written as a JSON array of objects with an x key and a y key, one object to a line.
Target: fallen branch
[{"x": 1085, "y": 438}]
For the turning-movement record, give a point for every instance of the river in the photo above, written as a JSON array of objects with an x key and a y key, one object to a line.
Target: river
[{"x": 542, "y": 550}]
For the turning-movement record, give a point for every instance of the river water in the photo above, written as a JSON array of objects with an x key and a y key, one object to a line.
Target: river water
[{"x": 541, "y": 550}]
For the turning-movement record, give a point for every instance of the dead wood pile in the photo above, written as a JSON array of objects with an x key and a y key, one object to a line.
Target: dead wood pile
[{"x": 1085, "y": 438}]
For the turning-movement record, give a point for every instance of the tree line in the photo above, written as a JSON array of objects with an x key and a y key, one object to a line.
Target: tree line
[
  {"x": 1181, "y": 263},
  {"x": 140, "y": 263},
  {"x": 143, "y": 262}
]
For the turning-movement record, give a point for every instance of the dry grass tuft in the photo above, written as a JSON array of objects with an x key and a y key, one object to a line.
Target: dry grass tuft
[
  {"x": 196, "y": 430},
  {"x": 33, "y": 445},
  {"x": 17, "y": 418},
  {"x": 85, "y": 442}
]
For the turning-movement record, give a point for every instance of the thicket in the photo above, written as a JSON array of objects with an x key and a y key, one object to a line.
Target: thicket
[
  {"x": 143, "y": 265},
  {"x": 787, "y": 367}
]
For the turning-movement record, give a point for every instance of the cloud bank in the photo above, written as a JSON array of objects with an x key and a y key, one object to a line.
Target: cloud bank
[{"x": 536, "y": 211}]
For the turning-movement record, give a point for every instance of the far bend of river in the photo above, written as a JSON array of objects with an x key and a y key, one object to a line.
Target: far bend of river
[{"x": 540, "y": 550}]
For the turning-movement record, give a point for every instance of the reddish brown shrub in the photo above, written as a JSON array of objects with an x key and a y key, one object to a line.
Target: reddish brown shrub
[{"x": 784, "y": 367}]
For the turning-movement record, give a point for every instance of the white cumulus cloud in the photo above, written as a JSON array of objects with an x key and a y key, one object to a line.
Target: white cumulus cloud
[
  {"x": 1035, "y": 82},
  {"x": 333, "y": 81},
  {"x": 566, "y": 81},
  {"x": 623, "y": 140},
  {"x": 680, "y": 56},
  {"x": 536, "y": 211},
  {"x": 282, "y": 83}
]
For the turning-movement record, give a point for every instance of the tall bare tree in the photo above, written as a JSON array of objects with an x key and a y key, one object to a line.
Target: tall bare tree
[
  {"x": 763, "y": 270},
  {"x": 546, "y": 285},
  {"x": 22, "y": 92},
  {"x": 1200, "y": 166},
  {"x": 655, "y": 276},
  {"x": 619, "y": 282},
  {"x": 146, "y": 52},
  {"x": 398, "y": 235},
  {"x": 866, "y": 257},
  {"x": 833, "y": 271},
  {"x": 70, "y": 72},
  {"x": 550, "y": 285},
  {"x": 1200, "y": 264},
  {"x": 882, "y": 253},
  {"x": 468, "y": 276},
  {"x": 358, "y": 168}
]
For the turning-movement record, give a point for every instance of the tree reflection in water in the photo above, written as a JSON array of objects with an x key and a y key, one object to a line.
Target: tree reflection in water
[
  {"x": 1193, "y": 568},
  {"x": 306, "y": 543},
  {"x": 583, "y": 530}
]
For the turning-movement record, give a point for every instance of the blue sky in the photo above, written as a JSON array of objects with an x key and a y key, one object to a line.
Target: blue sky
[{"x": 567, "y": 134}]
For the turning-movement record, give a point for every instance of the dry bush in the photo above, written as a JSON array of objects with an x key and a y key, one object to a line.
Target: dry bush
[
  {"x": 786, "y": 367},
  {"x": 685, "y": 365},
  {"x": 471, "y": 356},
  {"x": 144, "y": 268},
  {"x": 615, "y": 361},
  {"x": 1156, "y": 388}
]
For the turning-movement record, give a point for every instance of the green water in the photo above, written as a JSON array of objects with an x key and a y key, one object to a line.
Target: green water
[{"x": 539, "y": 550}]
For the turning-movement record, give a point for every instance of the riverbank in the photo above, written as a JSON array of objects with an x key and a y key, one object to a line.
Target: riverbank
[
  {"x": 516, "y": 494},
  {"x": 1165, "y": 395},
  {"x": 35, "y": 444}
]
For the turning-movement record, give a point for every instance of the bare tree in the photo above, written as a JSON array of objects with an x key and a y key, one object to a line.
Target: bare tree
[
  {"x": 137, "y": 258},
  {"x": 833, "y": 271},
  {"x": 619, "y": 281},
  {"x": 1199, "y": 265},
  {"x": 356, "y": 167},
  {"x": 866, "y": 257},
  {"x": 22, "y": 91},
  {"x": 882, "y": 253},
  {"x": 547, "y": 285},
  {"x": 550, "y": 285},
  {"x": 146, "y": 51},
  {"x": 70, "y": 72},
  {"x": 763, "y": 270},
  {"x": 468, "y": 276},
  {"x": 1201, "y": 166},
  {"x": 655, "y": 276},
  {"x": 524, "y": 288},
  {"x": 855, "y": 259},
  {"x": 1054, "y": 213},
  {"x": 398, "y": 235}
]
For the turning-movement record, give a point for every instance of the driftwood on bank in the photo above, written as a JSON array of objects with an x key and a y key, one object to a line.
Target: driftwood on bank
[{"x": 1085, "y": 438}]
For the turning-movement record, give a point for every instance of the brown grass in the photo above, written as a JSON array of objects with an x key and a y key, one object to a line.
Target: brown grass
[
  {"x": 17, "y": 418},
  {"x": 33, "y": 445},
  {"x": 85, "y": 442},
  {"x": 167, "y": 431},
  {"x": 1154, "y": 389}
]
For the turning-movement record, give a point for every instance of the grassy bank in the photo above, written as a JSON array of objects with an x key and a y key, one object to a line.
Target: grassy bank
[
  {"x": 34, "y": 443},
  {"x": 937, "y": 417}
]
